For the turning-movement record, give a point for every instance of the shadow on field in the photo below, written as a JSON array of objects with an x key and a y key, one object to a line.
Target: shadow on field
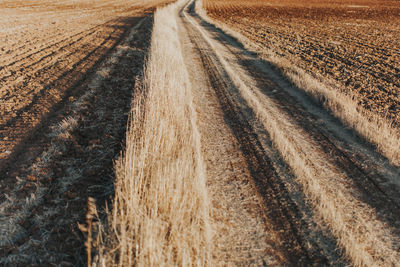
[
  {"x": 370, "y": 184},
  {"x": 278, "y": 208},
  {"x": 77, "y": 161},
  {"x": 71, "y": 82}
]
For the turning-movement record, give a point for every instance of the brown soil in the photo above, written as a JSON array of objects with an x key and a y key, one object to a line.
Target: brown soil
[
  {"x": 242, "y": 236},
  {"x": 67, "y": 72},
  {"x": 290, "y": 212},
  {"x": 350, "y": 44},
  {"x": 47, "y": 49},
  {"x": 247, "y": 165}
]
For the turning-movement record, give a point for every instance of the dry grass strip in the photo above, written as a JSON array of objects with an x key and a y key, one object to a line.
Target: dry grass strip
[{"x": 160, "y": 213}]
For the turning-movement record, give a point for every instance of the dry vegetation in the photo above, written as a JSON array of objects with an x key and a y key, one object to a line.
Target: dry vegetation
[
  {"x": 352, "y": 42},
  {"x": 365, "y": 239},
  {"x": 343, "y": 53},
  {"x": 66, "y": 74},
  {"x": 225, "y": 160},
  {"x": 46, "y": 47},
  {"x": 356, "y": 231},
  {"x": 160, "y": 214}
]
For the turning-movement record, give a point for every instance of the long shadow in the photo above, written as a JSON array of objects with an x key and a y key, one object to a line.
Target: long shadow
[
  {"x": 72, "y": 90},
  {"x": 89, "y": 152},
  {"x": 66, "y": 74},
  {"x": 278, "y": 206},
  {"x": 384, "y": 199},
  {"x": 279, "y": 209}
]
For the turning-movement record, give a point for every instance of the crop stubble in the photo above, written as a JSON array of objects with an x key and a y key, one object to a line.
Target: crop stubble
[{"x": 352, "y": 46}]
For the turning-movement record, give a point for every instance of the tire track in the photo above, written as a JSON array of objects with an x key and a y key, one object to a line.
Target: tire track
[
  {"x": 279, "y": 209},
  {"x": 241, "y": 237},
  {"x": 322, "y": 166},
  {"x": 379, "y": 191}
]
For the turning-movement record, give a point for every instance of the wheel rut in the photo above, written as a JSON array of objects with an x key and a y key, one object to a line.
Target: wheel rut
[
  {"x": 366, "y": 178},
  {"x": 361, "y": 167},
  {"x": 280, "y": 212}
]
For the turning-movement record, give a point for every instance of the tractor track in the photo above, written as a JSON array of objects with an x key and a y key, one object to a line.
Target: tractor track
[
  {"x": 278, "y": 208},
  {"x": 289, "y": 184},
  {"x": 368, "y": 176}
]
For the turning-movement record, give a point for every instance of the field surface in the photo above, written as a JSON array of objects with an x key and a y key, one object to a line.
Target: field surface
[
  {"x": 67, "y": 69},
  {"x": 307, "y": 168},
  {"x": 353, "y": 44},
  {"x": 229, "y": 158}
]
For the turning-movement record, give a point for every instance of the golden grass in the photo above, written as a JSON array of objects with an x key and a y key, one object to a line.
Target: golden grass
[
  {"x": 366, "y": 240},
  {"x": 160, "y": 213}
]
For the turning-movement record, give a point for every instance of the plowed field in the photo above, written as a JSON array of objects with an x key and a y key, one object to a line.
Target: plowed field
[
  {"x": 257, "y": 133},
  {"x": 67, "y": 69},
  {"x": 351, "y": 44}
]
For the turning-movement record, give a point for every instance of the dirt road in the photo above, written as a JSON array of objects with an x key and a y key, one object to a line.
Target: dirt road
[
  {"x": 322, "y": 191},
  {"x": 289, "y": 184}
]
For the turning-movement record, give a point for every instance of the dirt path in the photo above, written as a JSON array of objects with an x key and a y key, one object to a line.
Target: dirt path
[
  {"x": 307, "y": 170},
  {"x": 228, "y": 126},
  {"x": 289, "y": 184},
  {"x": 65, "y": 139},
  {"x": 239, "y": 220}
]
